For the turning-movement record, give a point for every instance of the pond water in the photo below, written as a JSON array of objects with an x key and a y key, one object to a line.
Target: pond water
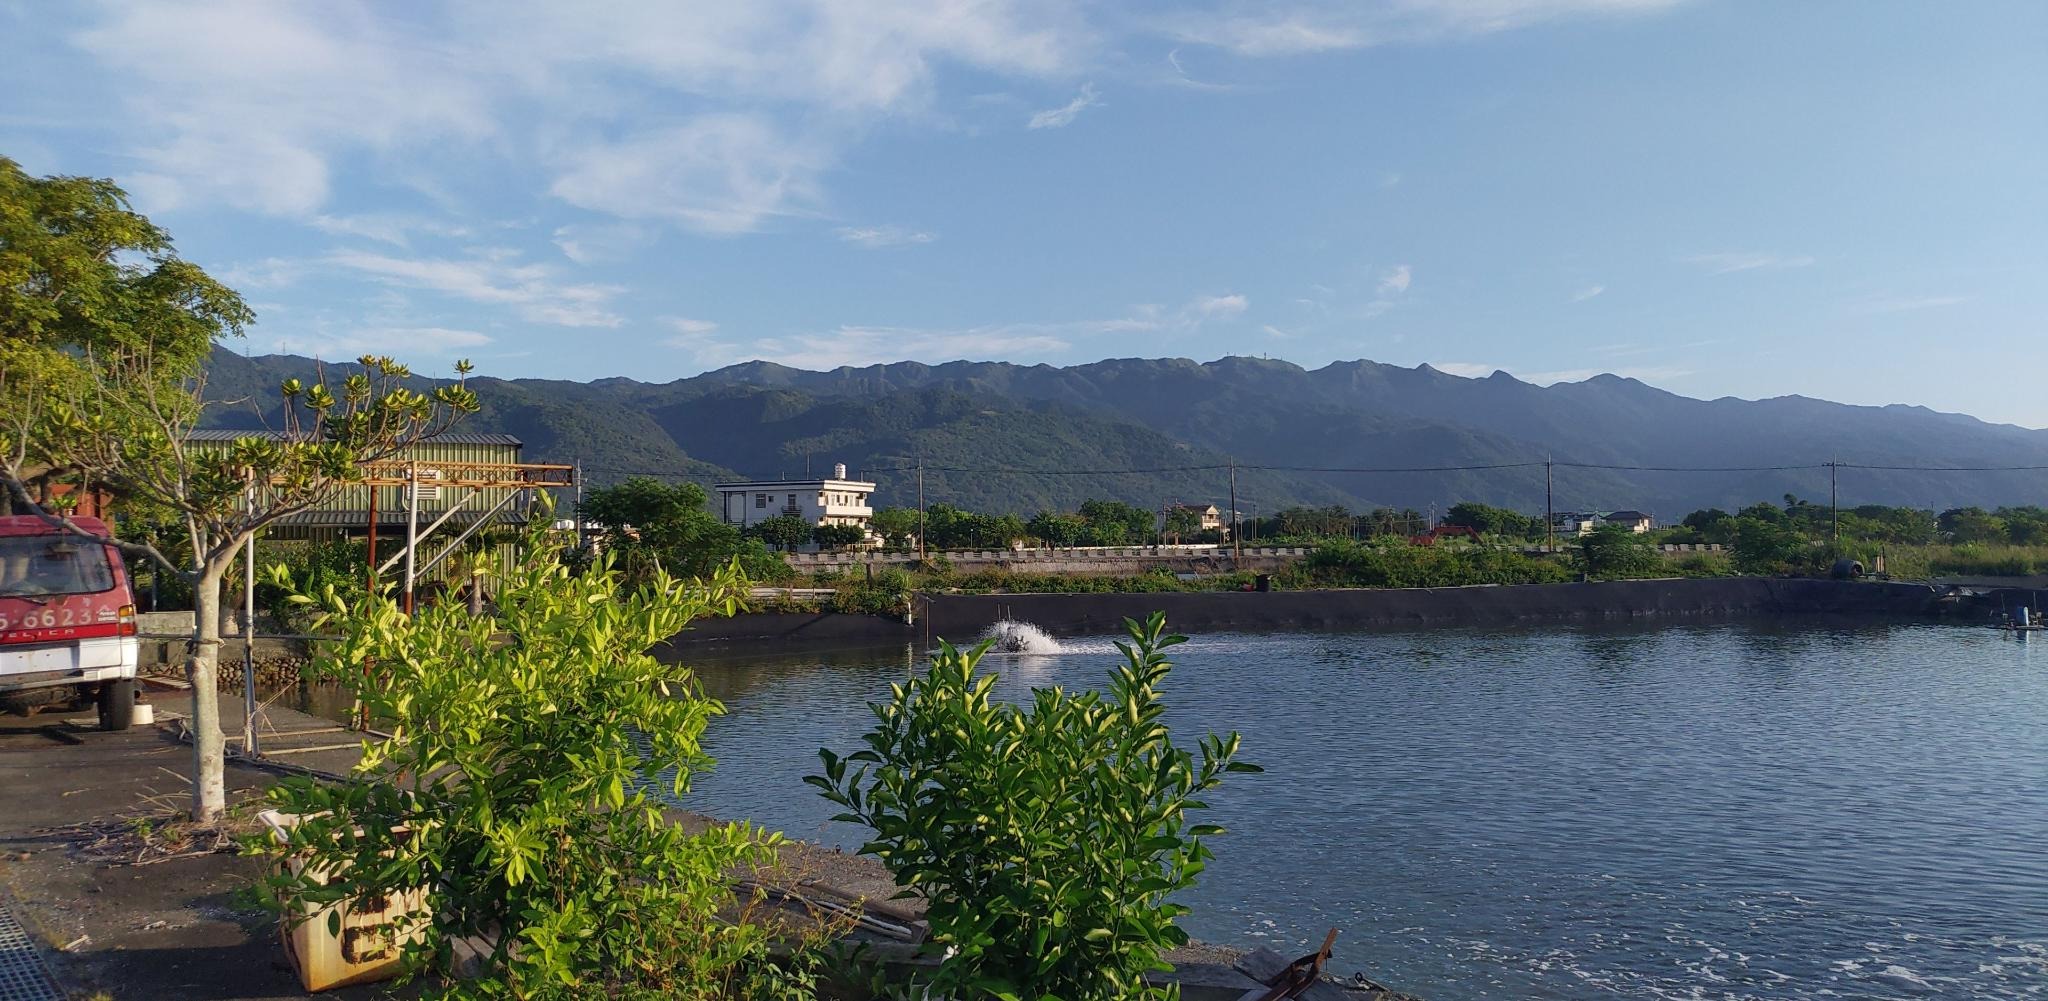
[{"x": 1720, "y": 811}]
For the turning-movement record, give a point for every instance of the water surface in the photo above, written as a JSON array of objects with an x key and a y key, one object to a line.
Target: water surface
[{"x": 1725, "y": 811}]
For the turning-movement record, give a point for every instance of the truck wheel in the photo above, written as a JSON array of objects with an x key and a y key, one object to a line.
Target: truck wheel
[{"x": 117, "y": 704}]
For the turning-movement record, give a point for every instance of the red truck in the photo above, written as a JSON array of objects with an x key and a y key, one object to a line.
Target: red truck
[{"x": 67, "y": 620}]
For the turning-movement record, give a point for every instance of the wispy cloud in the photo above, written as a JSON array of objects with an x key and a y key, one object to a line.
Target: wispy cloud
[
  {"x": 717, "y": 174},
  {"x": 864, "y": 344},
  {"x": 255, "y": 104},
  {"x": 1397, "y": 280},
  {"x": 352, "y": 341},
  {"x": 1479, "y": 370},
  {"x": 386, "y": 227},
  {"x": 533, "y": 291},
  {"x": 1275, "y": 332},
  {"x": 1307, "y": 26},
  {"x": 1064, "y": 115},
  {"x": 689, "y": 332},
  {"x": 883, "y": 236},
  {"x": 1729, "y": 263},
  {"x": 1902, "y": 305},
  {"x": 602, "y": 243},
  {"x": 1588, "y": 292}
]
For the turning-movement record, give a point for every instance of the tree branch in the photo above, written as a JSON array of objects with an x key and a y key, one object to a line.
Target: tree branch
[{"x": 73, "y": 529}]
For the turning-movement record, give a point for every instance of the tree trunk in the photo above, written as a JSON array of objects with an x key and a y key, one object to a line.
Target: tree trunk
[{"x": 209, "y": 792}]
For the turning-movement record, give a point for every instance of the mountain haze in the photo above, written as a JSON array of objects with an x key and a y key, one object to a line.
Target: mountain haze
[{"x": 1004, "y": 437}]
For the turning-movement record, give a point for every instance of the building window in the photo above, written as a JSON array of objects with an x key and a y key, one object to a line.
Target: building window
[{"x": 760, "y": 500}]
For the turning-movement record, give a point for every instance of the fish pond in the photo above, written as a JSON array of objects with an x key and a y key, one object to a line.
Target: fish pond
[{"x": 1725, "y": 811}]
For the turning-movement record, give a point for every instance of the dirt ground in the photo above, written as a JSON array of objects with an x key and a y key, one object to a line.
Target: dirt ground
[{"x": 167, "y": 930}]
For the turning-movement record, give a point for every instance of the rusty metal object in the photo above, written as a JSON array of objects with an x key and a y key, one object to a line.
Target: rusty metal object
[{"x": 1299, "y": 975}]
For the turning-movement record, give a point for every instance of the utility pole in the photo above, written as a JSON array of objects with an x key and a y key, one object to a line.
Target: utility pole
[
  {"x": 249, "y": 734},
  {"x": 578, "y": 473},
  {"x": 412, "y": 527},
  {"x": 1834, "y": 502},
  {"x": 1549, "y": 511},
  {"x": 1236, "y": 547},
  {"x": 921, "y": 554}
]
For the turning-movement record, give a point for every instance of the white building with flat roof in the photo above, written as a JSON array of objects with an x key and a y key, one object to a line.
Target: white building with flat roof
[{"x": 833, "y": 500}]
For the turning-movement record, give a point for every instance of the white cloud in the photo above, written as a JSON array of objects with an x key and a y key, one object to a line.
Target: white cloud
[
  {"x": 1303, "y": 28},
  {"x": 1396, "y": 281},
  {"x": 859, "y": 345},
  {"x": 601, "y": 243},
  {"x": 882, "y": 236},
  {"x": 1275, "y": 332},
  {"x": 1588, "y": 292},
  {"x": 718, "y": 174},
  {"x": 1478, "y": 370},
  {"x": 531, "y": 290},
  {"x": 385, "y": 227},
  {"x": 1220, "y": 306},
  {"x": 1902, "y": 305},
  {"x": 351, "y": 342},
  {"x": 1729, "y": 263},
  {"x": 689, "y": 333},
  {"x": 1064, "y": 115},
  {"x": 253, "y": 103}
]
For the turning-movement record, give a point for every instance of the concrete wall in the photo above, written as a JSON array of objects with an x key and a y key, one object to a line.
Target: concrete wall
[{"x": 965, "y": 616}]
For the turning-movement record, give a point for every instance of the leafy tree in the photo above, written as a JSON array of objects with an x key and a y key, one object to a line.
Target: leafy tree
[
  {"x": 1613, "y": 552},
  {"x": 1973, "y": 524},
  {"x": 1005, "y": 529},
  {"x": 1054, "y": 529},
  {"x": 784, "y": 531},
  {"x": 838, "y": 536},
  {"x": 652, "y": 524},
  {"x": 896, "y": 525},
  {"x": 1047, "y": 840},
  {"x": 519, "y": 793},
  {"x": 1762, "y": 546},
  {"x": 1488, "y": 520},
  {"x": 1180, "y": 522},
  {"x": 1115, "y": 523},
  {"x": 102, "y": 329}
]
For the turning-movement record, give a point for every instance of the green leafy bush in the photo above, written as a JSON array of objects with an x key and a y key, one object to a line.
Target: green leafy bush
[
  {"x": 1046, "y": 840},
  {"x": 517, "y": 788}
]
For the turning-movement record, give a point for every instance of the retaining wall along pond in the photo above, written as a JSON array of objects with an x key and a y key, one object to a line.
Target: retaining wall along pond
[{"x": 964, "y": 616}]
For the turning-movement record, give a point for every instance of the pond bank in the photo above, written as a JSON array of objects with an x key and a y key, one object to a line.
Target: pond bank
[{"x": 960, "y": 616}]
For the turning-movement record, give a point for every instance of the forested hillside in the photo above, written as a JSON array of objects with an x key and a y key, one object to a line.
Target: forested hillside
[{"x": 1000, "y": 437}]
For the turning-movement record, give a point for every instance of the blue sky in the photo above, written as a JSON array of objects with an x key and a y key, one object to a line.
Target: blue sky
[{"x": 1840, "y": 199}]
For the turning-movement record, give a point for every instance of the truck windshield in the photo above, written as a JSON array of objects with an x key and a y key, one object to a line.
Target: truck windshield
[{"x": 33, "y": 565}]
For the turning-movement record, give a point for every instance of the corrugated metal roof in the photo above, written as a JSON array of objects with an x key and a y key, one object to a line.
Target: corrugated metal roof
[
  {"x": 360, "y": 518},
  {"x": 451, "y": 438}
]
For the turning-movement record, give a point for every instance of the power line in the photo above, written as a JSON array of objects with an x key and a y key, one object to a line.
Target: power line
[{"x": 1471, "y": 467}]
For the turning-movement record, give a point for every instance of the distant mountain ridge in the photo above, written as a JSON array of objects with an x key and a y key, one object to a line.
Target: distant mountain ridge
[{"x": 1033, "y": 435}]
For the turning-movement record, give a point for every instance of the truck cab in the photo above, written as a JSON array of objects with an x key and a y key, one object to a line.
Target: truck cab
[{"x": 67, "y": 620}]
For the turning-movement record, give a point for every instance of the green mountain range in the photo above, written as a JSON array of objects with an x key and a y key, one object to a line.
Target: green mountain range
[{"x": 996, "y": 436}]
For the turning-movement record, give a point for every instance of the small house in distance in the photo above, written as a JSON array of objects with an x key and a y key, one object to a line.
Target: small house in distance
[
  {"x": 833, "y": 500},
  {"x": 1208, "y": 517}
]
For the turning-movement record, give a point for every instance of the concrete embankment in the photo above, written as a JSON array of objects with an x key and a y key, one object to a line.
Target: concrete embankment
[{"x": 961, "y": 615}]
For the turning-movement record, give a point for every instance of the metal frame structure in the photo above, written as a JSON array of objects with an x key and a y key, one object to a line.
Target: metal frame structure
[{"x": 521, "y": 478}]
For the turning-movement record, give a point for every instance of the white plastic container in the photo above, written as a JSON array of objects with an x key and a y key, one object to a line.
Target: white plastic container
[{"x": 368, "y": 947}]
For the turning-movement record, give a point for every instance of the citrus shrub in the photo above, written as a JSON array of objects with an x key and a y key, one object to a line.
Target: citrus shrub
[
  {"x": 520, "y": 787},
  {"x": 1046, "y": 841}
]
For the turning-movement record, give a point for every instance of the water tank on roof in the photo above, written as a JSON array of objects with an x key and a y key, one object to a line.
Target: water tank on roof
[{"x": 839, "y": 471}]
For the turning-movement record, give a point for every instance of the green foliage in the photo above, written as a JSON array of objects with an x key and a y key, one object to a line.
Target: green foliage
[
  {"x": 896, "y": 525},
  {"x": 1394, "y": 562},
  {"x": 838, "y": 536},
  {"x": 1489, "y": 520},
  {"x": 653, "y": 525},
  {"x": 784, "y": 531},
  {"x": 342, "y": 565},
  {"x": 1047, "y": 841},
  {"x": 1181, "y": 522},
  {"x": 518, "y": 788},
  {"x": 1115, "y": 523},
  {"x": 1051, "y": 528},
  {"x": 1612, "y": 552},
  {"x": 1771, "y": 546}
]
